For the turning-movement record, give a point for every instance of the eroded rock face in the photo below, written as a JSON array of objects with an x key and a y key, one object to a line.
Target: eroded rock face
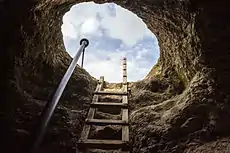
[
  {"x": 182, "y": 103},
  {"x": 36, "y": 61}
]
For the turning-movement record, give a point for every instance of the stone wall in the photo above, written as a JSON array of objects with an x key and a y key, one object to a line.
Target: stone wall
[{"x": 192, "y": 74}]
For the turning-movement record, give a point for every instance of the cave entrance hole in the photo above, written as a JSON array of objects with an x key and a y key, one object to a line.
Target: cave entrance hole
[{"x": 113, "y": 32}]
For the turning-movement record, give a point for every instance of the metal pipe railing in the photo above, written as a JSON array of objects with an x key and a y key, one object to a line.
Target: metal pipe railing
[
  {"x": 50, "y": 106},
  {"x": 82, "y": 60}
]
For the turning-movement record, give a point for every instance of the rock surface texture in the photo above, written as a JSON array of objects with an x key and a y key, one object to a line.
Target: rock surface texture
[{"x": 182, "y": 106}]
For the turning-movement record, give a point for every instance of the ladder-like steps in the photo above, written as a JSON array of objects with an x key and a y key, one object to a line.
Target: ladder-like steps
[
  {"x": 103, "y": 144},
  {"x": 110, "y": 93},
  {"x": 85, "y": 143},
  {"x": 108, "y": 104},
  {"x": 105, "y": 122}
]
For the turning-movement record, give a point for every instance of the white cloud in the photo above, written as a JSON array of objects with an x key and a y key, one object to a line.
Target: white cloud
[
  {"x": 90, "y": 26},
  {"x": 131, "y": 30},
  {"x": 113, "y": 33},
  {"x": 68, "y": 30},
  {"x": 84, "y": 17}
]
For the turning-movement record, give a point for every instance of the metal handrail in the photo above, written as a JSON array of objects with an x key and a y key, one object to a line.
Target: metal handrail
[
  {"x": 50, "y": 106},
  {"x": 82, "y": 60}
]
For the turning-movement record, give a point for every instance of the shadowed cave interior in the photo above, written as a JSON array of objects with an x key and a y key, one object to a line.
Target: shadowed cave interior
[{"x": 181, "y": 106}]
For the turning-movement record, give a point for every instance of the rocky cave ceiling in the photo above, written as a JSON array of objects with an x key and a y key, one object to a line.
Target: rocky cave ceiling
[{"x": 188, "y": 89}]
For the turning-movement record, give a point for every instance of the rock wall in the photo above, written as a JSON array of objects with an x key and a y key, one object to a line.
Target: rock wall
[
  {"x": 35, "y": 60},
  {"x": 182, "y": 103}
]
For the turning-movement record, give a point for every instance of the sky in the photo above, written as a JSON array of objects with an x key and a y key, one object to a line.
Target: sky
[{"x": 113, "y": 33}]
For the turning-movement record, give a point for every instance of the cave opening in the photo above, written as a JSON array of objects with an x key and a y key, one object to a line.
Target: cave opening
[
  {"x": 194, "y": 51},
  {"x": 114, "y": 32}
]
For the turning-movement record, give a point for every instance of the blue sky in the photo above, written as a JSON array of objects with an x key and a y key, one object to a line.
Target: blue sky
[{"x": 114, "y": 33}]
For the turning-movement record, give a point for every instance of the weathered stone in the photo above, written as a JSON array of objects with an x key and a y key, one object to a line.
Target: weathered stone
[{"x": 192, "y": 77}]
